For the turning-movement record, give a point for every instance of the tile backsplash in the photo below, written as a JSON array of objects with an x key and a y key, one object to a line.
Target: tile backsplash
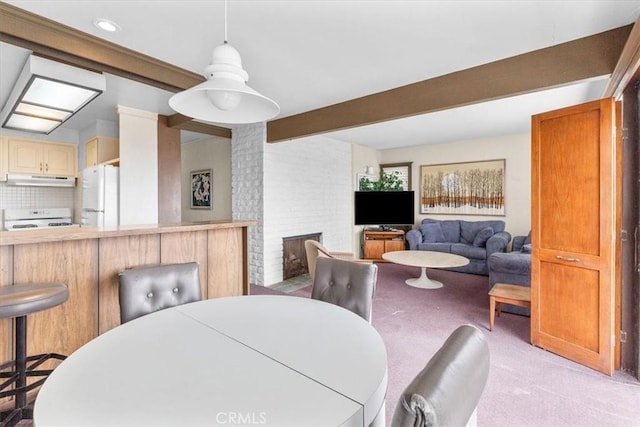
[{"x": 12, "y": 197}]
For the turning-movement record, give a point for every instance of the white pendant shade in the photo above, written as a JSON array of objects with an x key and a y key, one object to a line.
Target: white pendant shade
[{"x": 225, "y": 96}]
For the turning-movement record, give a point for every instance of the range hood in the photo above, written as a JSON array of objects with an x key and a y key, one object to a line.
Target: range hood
[{"x": 40, "y": 181}]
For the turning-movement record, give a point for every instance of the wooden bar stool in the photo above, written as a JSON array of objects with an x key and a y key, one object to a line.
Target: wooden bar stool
[
  {"x": 509, "y": 294},
  {"x": 17, "y": 302}
]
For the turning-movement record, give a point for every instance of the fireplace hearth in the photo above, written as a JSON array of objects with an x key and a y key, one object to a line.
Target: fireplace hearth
[{"x": 294, "y": 257}]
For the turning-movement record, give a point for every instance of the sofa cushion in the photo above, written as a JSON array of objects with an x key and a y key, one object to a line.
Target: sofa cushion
[
  {"x": 481, "y": 238},
  {"x": 518, "y": 242},
  {"x": 514, "y": 263},
  {"x": 469, "y": 251},
  {"x": 469, "y": 229},
  {"x": 438, "y": 247},
  {"x": 526, "y": 248},
  {"x": 432, "y": 232},
  {"x": 451, "y": 230}
]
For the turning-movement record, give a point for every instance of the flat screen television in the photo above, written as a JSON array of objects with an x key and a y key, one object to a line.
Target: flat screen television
[{"x": 384, "y": 208}]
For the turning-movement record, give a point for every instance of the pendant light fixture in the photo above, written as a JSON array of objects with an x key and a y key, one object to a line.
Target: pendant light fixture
[{"x": 225, "y": 96}]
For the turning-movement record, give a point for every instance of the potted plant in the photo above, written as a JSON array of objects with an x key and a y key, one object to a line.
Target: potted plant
[{"x": 387, "y": 182}]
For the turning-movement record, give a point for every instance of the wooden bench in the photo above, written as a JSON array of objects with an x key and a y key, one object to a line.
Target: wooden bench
[{"x": 508, "y": 294}]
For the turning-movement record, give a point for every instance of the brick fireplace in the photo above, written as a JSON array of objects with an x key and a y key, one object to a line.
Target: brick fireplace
[{"x": 294, "y": 257}]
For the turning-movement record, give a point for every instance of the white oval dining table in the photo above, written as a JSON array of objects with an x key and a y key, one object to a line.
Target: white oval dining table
[{"x": 248, "y": 360}]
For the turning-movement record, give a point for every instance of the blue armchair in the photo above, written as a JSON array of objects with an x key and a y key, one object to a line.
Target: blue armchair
[{"x": 513, "y": 268}]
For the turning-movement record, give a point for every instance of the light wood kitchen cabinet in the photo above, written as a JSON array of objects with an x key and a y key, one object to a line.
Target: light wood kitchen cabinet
[
  {"x": 42, "y": 158},
  {"x": 4, "y": 158},
  {"x": 101, "y": 150}
]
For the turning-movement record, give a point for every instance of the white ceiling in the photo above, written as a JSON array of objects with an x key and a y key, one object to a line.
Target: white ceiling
[{"x": 308, "y": 54}]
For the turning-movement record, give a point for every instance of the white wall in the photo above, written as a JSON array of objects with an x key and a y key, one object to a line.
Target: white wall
[
  {"x": 138, "y": 166},
  {"x": 516, "y": 149},
  {"x": 208, "y": 153},
  {"x": 290, "y": 188},
  {"x": 307, "y": 189},
  {"x": 247, "y": 189},
  {"x": 62, "y": 134},
  {"x": 362, "y": 157}
]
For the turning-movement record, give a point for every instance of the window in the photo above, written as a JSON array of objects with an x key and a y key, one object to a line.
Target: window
[{"x": 402, "y": 169}]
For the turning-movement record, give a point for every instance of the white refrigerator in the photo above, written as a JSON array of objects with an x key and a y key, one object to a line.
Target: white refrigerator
[{"x": 100, "y": 196}]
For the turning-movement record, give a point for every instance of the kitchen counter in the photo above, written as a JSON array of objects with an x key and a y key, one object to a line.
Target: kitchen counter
[
  {"x": 88, "y": 260},
  {"x": 79, "y": 233}
]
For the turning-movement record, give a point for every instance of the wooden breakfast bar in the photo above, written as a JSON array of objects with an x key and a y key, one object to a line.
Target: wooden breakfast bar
[{"x": 88, "y": 261}]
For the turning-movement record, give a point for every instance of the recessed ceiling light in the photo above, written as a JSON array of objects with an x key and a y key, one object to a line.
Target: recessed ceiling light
[{"x": 106, "y": 25}]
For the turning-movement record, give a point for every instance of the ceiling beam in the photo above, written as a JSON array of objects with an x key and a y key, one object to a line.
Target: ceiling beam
[
  {"x": 57, "y": 41},
  {"x": 627, "y": 66},
  {"x": 554, "y": 66},
  {"x": 179, "y": 121},
  {"x": 61, "y": 43}
]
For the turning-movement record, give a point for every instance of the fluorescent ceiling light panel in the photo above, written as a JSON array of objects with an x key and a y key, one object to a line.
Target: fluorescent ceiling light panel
[
  {"x": 34, "y": 124},
  {"x": 63, "y": 96},
  {"x": 47, "y": 93},
  {"x": 45, "y": 112}
]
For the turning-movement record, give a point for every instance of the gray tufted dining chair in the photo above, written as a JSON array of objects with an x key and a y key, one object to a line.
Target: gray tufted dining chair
[
  {"x": 447, "y": 390},
  {"x": 315, "y": 249},
  {"x": 348, "y": 284},
  {"x": 150, "y": 288}
]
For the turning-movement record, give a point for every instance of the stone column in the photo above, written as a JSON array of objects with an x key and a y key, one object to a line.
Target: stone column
[{"x": 247, "y": 190}]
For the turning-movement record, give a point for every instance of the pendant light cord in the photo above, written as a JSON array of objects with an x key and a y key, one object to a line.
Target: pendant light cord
[{"x": 225, "y": 21}]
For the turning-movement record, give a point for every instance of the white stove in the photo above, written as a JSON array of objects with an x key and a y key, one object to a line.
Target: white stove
[{"x": 37, "y": 219}]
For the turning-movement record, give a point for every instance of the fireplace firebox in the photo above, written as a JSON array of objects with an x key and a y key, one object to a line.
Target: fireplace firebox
[{"x": 294, "y": 257}]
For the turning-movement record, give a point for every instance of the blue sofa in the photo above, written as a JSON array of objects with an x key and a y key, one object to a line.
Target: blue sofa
[
  {"x": 513, "y": 268},
  {"x": 475, "y": 240}
]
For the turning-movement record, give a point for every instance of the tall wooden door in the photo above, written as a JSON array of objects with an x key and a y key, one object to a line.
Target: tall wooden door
[{"x": 574, "y": 152}]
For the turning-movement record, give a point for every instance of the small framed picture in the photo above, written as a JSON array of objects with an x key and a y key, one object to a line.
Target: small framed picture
[
  {"x": 363, "y": 181},
  {"x": 201, "y": 186}
]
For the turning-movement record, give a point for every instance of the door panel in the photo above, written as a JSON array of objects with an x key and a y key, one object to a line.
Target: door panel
[
  {"x": 570, "y": 323},
  {"x": 573, "y": 233},
  {"x": 572, "y": 166}
]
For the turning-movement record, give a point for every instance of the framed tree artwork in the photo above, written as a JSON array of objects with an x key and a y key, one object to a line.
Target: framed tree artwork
[{"x": 471, "y": 188}]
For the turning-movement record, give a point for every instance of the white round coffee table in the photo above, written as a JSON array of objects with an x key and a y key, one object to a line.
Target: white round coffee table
[{"x": 424, "y": 260}]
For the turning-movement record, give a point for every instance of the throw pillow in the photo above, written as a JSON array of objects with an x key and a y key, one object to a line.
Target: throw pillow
[
  {"x": 526, "y": 248},
  {"x": 432, "y": 232},
  {"x": 483, "y": 235}
]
